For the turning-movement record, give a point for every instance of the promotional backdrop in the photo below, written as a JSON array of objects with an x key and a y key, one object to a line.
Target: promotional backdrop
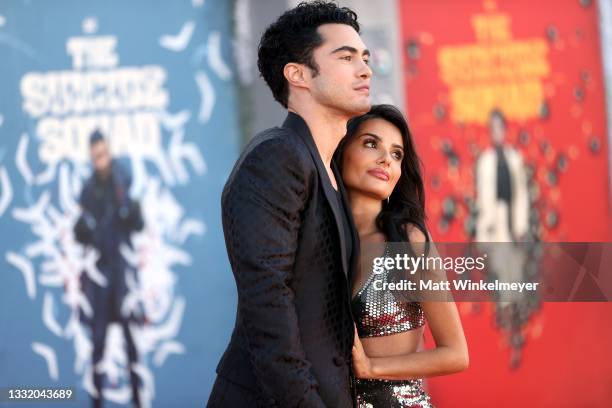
[
  {"x": 157, "y": 79},
  {"x": 538, "y": 65}
]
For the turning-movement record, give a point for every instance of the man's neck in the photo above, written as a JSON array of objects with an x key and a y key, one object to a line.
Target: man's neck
[
  {"x": 102, "y": 177},
  {"x": 327, "y": 129}
]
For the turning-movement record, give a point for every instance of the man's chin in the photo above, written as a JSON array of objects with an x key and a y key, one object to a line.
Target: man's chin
[
  {"x": 352, "y": 110},
  {"x": 362, "y": 109}
]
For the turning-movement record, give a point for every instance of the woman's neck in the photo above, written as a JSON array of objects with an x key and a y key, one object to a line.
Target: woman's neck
[{"x": 365, "y": 209}]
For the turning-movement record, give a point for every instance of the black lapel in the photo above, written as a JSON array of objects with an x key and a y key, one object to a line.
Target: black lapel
[
  {"x": 299, "y": 126},
  {"x": 349, "y": 216}
]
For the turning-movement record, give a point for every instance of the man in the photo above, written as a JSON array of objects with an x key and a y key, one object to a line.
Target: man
[
  {"x": 108, "y": 218},
  {"x": 502, "y": 191},
  {"x": 502, "y": 199},
  {"x": 289, "y": 236}
]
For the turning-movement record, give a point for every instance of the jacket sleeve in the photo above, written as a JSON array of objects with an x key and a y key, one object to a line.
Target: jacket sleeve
[
  {"x": 130, "y": 215},
  {"x": 129, "y": 211},
  {"x": 83, "y": 232},
  {"x": 261, "y": 209},
  {"x": 85, "y": 226}
]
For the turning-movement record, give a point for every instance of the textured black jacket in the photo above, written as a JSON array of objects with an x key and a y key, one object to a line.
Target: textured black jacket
[{"x": 292, "y": 341}]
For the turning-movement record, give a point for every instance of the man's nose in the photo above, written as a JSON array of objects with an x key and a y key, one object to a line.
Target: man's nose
[{"x": 366, "y": 71}]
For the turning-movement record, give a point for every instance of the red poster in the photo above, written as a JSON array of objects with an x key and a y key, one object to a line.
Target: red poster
[
  {"x": 539, "y": 65},
  {"x": 506, "y": 103}
]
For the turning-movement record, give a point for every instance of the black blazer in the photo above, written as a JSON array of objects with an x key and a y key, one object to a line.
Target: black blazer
[{"x": 292, "y": 341}]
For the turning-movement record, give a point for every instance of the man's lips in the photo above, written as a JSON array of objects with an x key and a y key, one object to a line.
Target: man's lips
[
  {"x": 363, "y": 88},
  {"x": 380, "y": 174}
]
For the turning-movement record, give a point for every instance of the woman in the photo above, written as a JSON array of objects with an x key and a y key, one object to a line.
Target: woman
[{"x": 382, "y": 175}]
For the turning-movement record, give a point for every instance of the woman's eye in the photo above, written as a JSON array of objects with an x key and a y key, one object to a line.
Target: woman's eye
[
  {"x": 370, "y": 143},
  {"x": 397, "y": 155}
]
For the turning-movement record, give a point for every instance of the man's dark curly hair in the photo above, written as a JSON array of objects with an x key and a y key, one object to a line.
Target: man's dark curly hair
[{"x": 293, "y": 38}]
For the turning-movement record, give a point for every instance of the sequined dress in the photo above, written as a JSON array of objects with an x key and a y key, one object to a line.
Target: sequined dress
[{"x": 379, "y": 313}]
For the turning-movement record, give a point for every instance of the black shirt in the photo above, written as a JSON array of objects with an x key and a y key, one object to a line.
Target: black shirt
[{"x": 346, "y": 227}]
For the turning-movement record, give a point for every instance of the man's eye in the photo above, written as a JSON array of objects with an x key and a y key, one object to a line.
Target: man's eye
[
  {"x": 347, "y": 58},
  {"x": 367, "y": 61}
]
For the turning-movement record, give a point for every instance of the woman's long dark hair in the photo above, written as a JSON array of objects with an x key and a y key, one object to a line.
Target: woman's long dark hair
[{"x": 407, "y": 201}]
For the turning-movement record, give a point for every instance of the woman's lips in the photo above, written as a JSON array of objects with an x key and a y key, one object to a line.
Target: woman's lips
[{"x": 379, "y": 174}]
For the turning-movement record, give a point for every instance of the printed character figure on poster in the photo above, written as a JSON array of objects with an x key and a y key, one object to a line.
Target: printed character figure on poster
[
  {"x": 502, "y": 200},
  {"x": 108, "y": 218}
]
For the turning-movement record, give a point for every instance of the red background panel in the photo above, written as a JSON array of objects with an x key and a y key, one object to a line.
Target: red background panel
[
  {"x": 566, "y": 360},
  {"x": 580, "y": 197}
]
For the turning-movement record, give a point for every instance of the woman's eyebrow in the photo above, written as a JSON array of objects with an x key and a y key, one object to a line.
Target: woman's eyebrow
[
  {"x": 379, "y": 139},
  {"x": 371, "y": 134}
]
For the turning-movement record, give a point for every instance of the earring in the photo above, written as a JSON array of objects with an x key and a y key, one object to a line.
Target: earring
[{"x": 388, "y": 199}]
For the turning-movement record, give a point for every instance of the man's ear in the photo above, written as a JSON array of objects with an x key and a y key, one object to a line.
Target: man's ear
[{"x": 296, "y": 75}]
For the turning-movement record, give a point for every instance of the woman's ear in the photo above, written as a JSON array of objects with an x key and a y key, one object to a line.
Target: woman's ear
[{"x": 296, "y": 75}]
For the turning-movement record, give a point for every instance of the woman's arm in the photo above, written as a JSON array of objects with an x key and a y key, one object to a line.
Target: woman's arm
[{"x": 449, "y": 356}]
